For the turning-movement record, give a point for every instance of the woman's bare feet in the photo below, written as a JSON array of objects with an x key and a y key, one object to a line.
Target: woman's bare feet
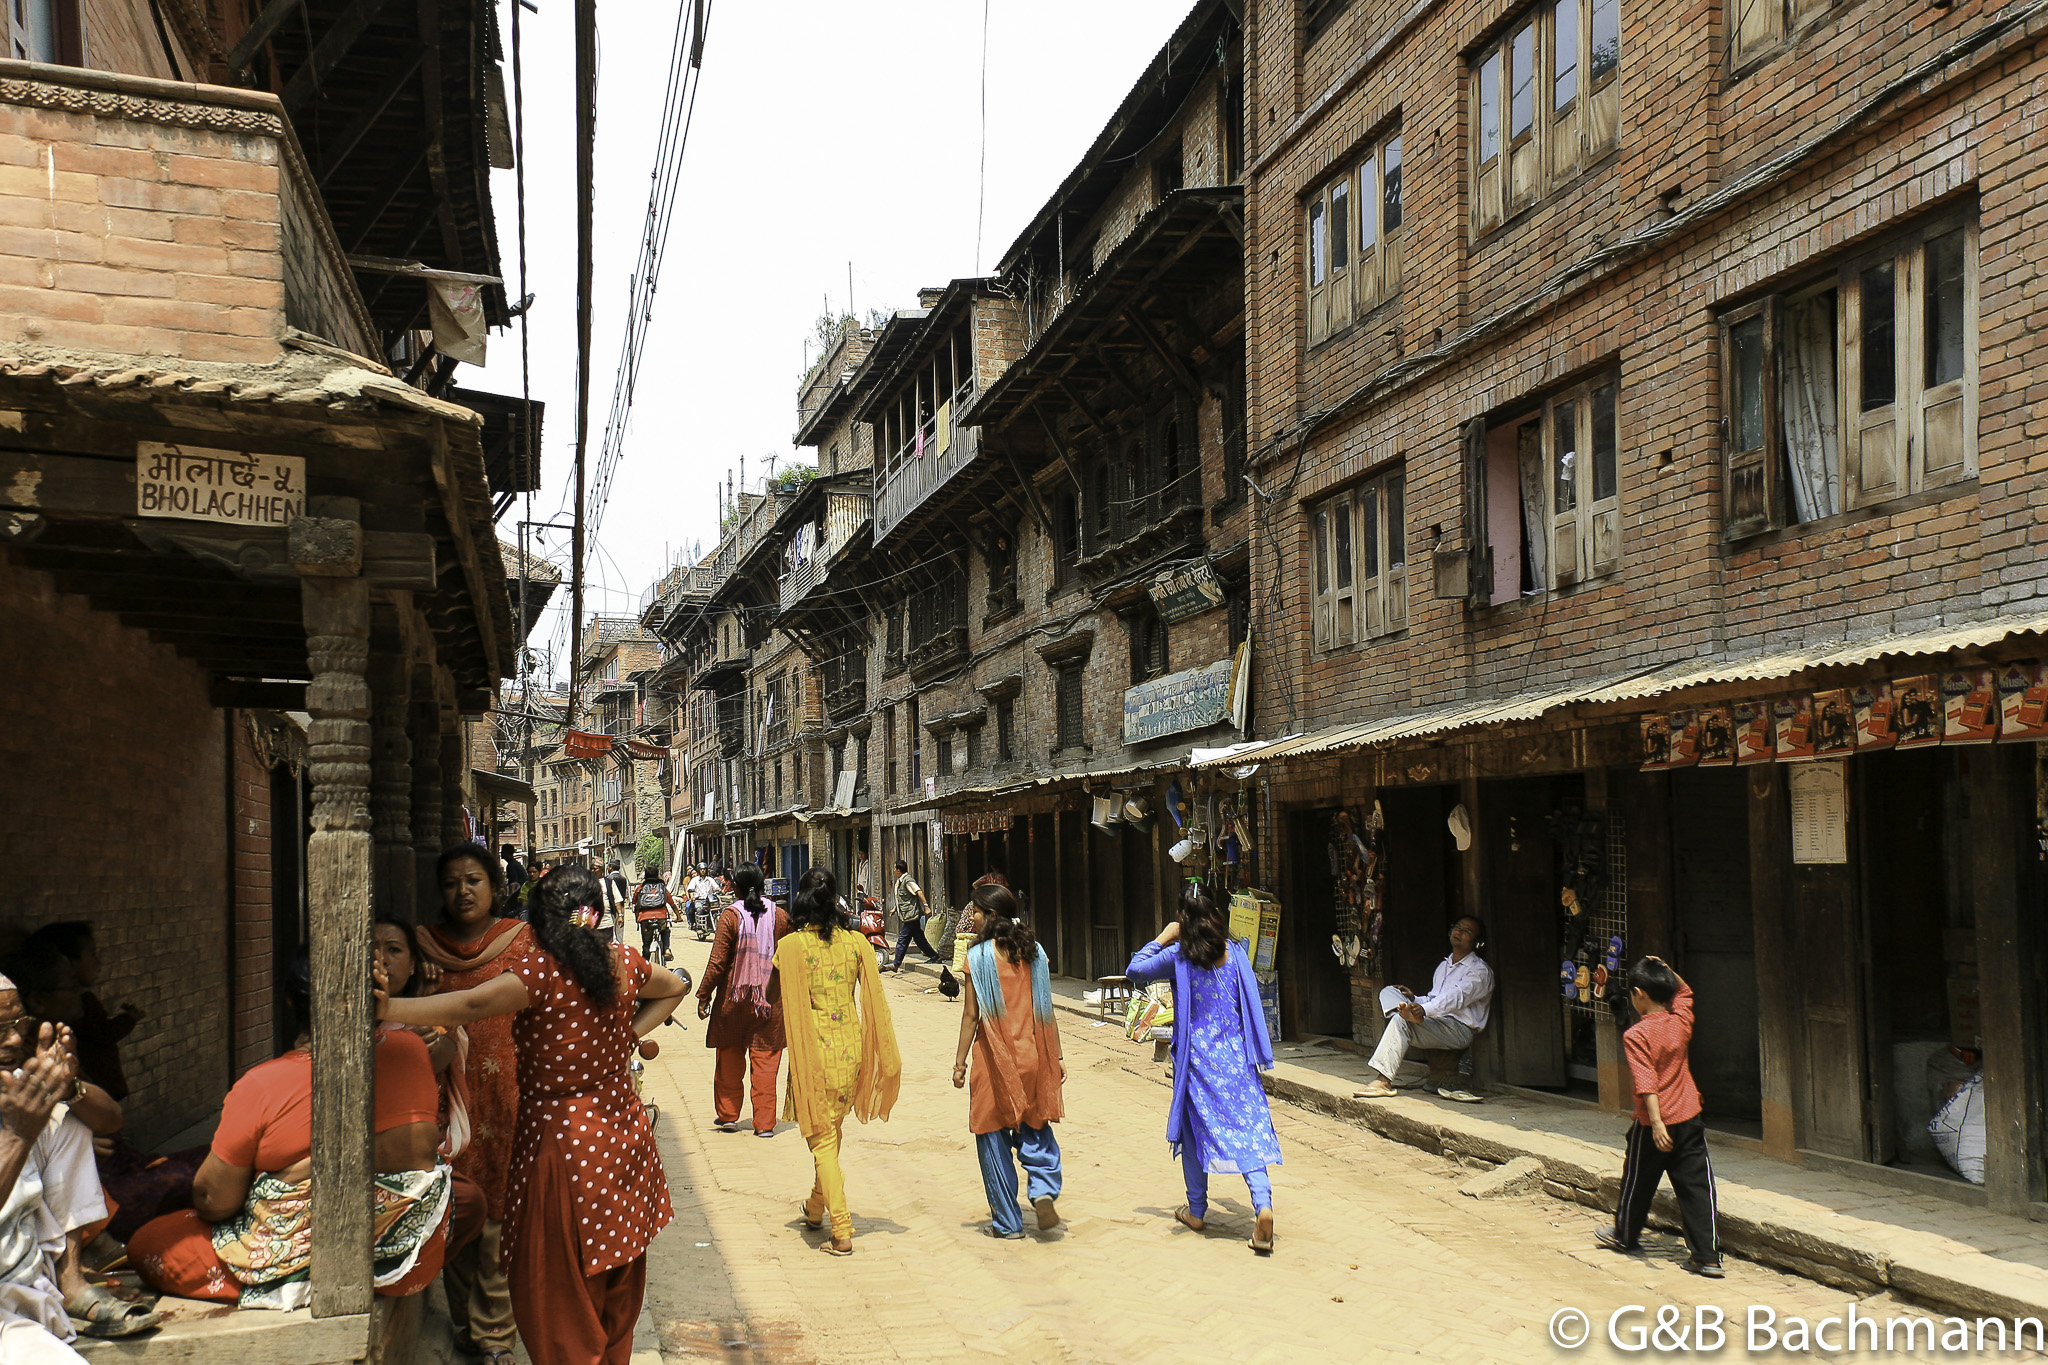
[{"x": 1186, "y": 1218}]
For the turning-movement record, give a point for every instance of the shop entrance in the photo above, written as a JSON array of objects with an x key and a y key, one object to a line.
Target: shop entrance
[
  {"x": 1922, "y": 988},
  {"x": 1312, "y": 979},
  {"x": 1531, "y": 1021},
  {"x": 1716, "y": 942},
  {"x": 1425, "y": 883}
]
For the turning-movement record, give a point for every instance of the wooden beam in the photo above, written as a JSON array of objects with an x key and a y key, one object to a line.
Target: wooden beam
[
  {"x": 365, "y": 222},
  {"x": 2008, "y": 948},
  {"x": 247, "y": 694},
  {"x": 1121, "y": 377},
  {"x": 339, "y": 148},
  {"x": 1081, "y": 406},
  {"x": 1173, "y": 363},
  {"x": 243, "y": 54},
  {"x": 432, "y": 116},
  {"x": 1058, "y": 448},
  {"x": 334, "y": 44},
  {"x": 478, "y": 586}
]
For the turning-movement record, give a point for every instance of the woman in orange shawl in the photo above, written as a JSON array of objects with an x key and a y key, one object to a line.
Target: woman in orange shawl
[
  {"x": 1015, "y": 1097},
  {"x": 840, "y": 1060},
  {"x": 473, "y": 945}
]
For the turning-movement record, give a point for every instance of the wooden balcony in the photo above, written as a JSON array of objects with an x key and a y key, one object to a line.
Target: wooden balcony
[{"x": 910, "y": 479}]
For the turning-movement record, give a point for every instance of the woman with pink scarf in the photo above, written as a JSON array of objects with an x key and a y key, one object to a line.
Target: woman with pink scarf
[{"x": 743, "y": 1000}]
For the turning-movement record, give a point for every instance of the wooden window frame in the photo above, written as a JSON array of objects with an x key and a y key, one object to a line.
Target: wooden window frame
[
  {"x": 1358, "y": 276},
  {"x": 1352, "y": 537},
  {"x": 1591, "y": 527},
  {"x": 1562, "y": 138},
  {"x": 1882, "y": 474},
  {"x": 1760, "y": 29}
]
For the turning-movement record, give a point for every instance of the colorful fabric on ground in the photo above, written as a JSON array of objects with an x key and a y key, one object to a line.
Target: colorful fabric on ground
[
  {"x": 490, "y": 1069},
  {"x": 841, "y": 1060},
  {"x": 581, "y": 1127},
  {"x": 1015, "y": 1079}
]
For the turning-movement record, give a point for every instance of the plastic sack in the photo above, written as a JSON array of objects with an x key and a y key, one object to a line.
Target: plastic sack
[
  {"x": 1958, "y": 1131},
  {"x": 1148, "y": 1009}
]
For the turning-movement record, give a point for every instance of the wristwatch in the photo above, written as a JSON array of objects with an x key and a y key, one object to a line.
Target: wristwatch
[{"x": 78, "y": 1090}]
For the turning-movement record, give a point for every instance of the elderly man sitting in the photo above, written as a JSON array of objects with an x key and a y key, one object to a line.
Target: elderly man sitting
[
  {"x": 1447, "y": 1018},
  {"x": 50, "y": 1188}
]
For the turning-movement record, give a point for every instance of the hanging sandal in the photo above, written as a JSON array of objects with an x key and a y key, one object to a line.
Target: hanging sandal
[
  {"x": 98, "y": 1312},
  {"x": 1261, "y": 1240}
]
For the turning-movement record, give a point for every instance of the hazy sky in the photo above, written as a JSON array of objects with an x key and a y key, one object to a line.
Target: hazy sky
[{"x": 826, "y": 132}]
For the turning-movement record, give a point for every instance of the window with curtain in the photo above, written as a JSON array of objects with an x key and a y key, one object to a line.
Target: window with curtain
[
  {"x": 1856, "y": 387},
  {"x": 1544, "y": 101}
]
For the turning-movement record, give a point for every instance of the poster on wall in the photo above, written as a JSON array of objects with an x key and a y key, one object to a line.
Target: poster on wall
[
  {"x": 1820, "y": 813},
  {"x": 2023, "y": 702},
  {"x": 1872, "y": 703},
  {"x": 1685, "y": 737},
  {"x": 1916, "y": 711},
  {"x": 1969, "y": 706},
  {"x": 1834, "y": 724},
  {"x": 1753, "y": 739},
  {"x": 1717, "y": 736},
  {"x": 1656, "y": 731},
  {"x": 1792, "y": 728}
]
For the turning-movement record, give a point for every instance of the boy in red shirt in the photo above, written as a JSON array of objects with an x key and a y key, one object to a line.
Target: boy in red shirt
[{"x": 1668, "y": 1136}]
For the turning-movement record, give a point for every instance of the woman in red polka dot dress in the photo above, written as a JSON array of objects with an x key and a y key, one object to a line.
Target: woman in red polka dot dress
[{"x": 586, "y": 1193}]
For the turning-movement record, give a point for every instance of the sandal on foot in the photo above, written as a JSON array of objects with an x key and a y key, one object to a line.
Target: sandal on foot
[
  {"x": 98, "y": 1312},
  {"x": 500, "y": 1358},
  {"x": 803, "y": 1211},
  {"x": 830, "y": 1246},
  {"x": 1375, "y": 1090},
  {"x": 1186, "y": 1218},
  {"x": 1261, "y": 1239}
]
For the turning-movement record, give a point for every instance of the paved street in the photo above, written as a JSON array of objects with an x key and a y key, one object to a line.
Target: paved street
[{"x": 1378, "y": 1254}]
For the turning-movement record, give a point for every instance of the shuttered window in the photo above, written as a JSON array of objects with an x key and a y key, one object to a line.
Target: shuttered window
[
  {"x": 1067, "y": 704},
  {"x": 1361, "y": 562}
]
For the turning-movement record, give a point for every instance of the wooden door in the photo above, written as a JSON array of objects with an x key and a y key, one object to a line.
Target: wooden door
[
  {"x": 1072, "y": 863},
  {"x": 1523, "y": 876},
  {"x": 1315, "y": 989},
  {"x": 1828, "y": 926},
  {"x": 1716, "y": 947}
]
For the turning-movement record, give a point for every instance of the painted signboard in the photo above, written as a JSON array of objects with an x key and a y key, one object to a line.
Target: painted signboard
[
  {"x": 198, "y": 483},
  {"x": 1186, "y": 591},
  {"x": 1191, "y": 699}
]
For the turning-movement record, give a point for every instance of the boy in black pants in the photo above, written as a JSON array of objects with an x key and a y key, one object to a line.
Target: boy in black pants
[{"x": 1668, "y": 1136}]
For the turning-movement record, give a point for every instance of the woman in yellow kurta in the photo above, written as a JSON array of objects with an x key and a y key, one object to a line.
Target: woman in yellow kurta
[{"x": 841, "y": 1059}]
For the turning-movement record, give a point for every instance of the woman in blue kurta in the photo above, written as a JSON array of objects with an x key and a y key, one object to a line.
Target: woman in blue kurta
[{"x": 1219, "y": 1121}]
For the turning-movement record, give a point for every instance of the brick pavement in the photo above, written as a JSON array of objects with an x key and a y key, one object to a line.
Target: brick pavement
[{"x": 1378, "y": 1254}]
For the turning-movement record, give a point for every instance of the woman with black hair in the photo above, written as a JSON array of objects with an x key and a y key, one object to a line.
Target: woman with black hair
[
  {"x": 1219, "y": 1120},
  {"x": 474, "y": 943},
  {"x": 586, "y": 1193},
  {"x": 742, "y": 998},
  {"x": 840, "y": 1060},
  {"x": 1015, "y": 1097}
]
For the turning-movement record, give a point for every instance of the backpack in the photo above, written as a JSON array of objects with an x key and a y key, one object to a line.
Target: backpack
[{"x": 650, "y": 896}]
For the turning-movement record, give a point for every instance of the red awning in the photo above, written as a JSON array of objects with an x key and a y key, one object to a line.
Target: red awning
[{"x": 583, "y": 744}]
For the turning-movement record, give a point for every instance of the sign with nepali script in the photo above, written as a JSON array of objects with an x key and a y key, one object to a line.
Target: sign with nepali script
[
  {"x": 196, "y": 483},
  {"x": 1191, "y": 699},
  {"x": 1187, "y": 591}
]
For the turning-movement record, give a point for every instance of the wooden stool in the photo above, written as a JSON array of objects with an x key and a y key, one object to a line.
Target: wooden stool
[{"x": 1116, "y": 994}]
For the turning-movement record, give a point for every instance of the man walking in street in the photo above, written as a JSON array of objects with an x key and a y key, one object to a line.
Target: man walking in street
[
  {"x": 911, "y": 908},
  {"x": 1447, "y": 1019},
  {"x": 617, "y": 895},
  {"x": 1668, "y": 1136}
]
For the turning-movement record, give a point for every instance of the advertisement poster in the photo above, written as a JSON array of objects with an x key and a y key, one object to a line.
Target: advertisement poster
[
  {"x": 1717, "y": 736},
  {"x": 1872, "y": 703},
  {"x": 1685, "y": 738},
  {"x": 1834, "y": 724},
  {"x": 2023, "y": 702},
  {"x": 1656, "y": 743},
  {"x": 1753, "y": 740},
  {"x": 1792, "y": 722},
  {"x": 1969, "y": 706},
  {"x": 1916, "y": 711}
]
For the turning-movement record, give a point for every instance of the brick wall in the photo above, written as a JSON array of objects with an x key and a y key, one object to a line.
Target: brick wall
[
  {"x": 114, "y": 810},
  {"x": 120, "y": 35},
  {"x": 1680, "y": 590},
  {"x": 145, "y": 238}
]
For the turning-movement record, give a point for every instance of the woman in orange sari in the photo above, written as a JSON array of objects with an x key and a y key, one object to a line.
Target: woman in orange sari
[{"x": 472, "y": 945}]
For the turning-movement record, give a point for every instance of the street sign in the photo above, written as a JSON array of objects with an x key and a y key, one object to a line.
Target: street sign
[{"x": 199, "y": 483}]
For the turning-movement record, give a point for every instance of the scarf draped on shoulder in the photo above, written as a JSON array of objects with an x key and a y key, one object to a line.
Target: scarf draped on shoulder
[
  {"x": 1008, "y": 1076},
  {"x": 881, "y": 1065},
  {"x": 1251, "y": 1013},
  {"x": 440, "y": 947}
]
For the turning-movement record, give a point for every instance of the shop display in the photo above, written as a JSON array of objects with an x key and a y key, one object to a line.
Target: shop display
[{"x": 1357, "y": 850}]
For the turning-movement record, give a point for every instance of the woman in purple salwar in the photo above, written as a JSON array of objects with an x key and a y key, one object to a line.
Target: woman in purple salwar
[{"x": 1219, "y": 1121}]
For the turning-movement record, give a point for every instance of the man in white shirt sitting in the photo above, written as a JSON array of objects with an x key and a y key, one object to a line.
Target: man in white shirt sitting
[{"x": 1446, "y": 1019}]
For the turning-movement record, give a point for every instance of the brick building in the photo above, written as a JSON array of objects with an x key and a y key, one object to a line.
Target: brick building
[
  {"x": 238, "y": 485},
  {"x": 1642, "y": 439}
]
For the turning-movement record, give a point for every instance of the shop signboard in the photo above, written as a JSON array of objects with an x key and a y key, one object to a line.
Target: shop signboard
[
  {"x": 1192, "y": 699},
  {"x": 1186, "y": 591}
]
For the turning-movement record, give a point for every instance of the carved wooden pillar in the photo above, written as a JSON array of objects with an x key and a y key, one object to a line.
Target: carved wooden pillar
[
  {"x": 425, "y": 729},
  {"x": 396, "y": 879},
  {"x": 327, "y": 551}
]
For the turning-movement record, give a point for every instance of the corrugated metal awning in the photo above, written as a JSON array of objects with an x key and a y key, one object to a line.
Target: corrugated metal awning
[
  {"x": 1642, "y": 685},
  {"x": 504, "y": 788}
]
